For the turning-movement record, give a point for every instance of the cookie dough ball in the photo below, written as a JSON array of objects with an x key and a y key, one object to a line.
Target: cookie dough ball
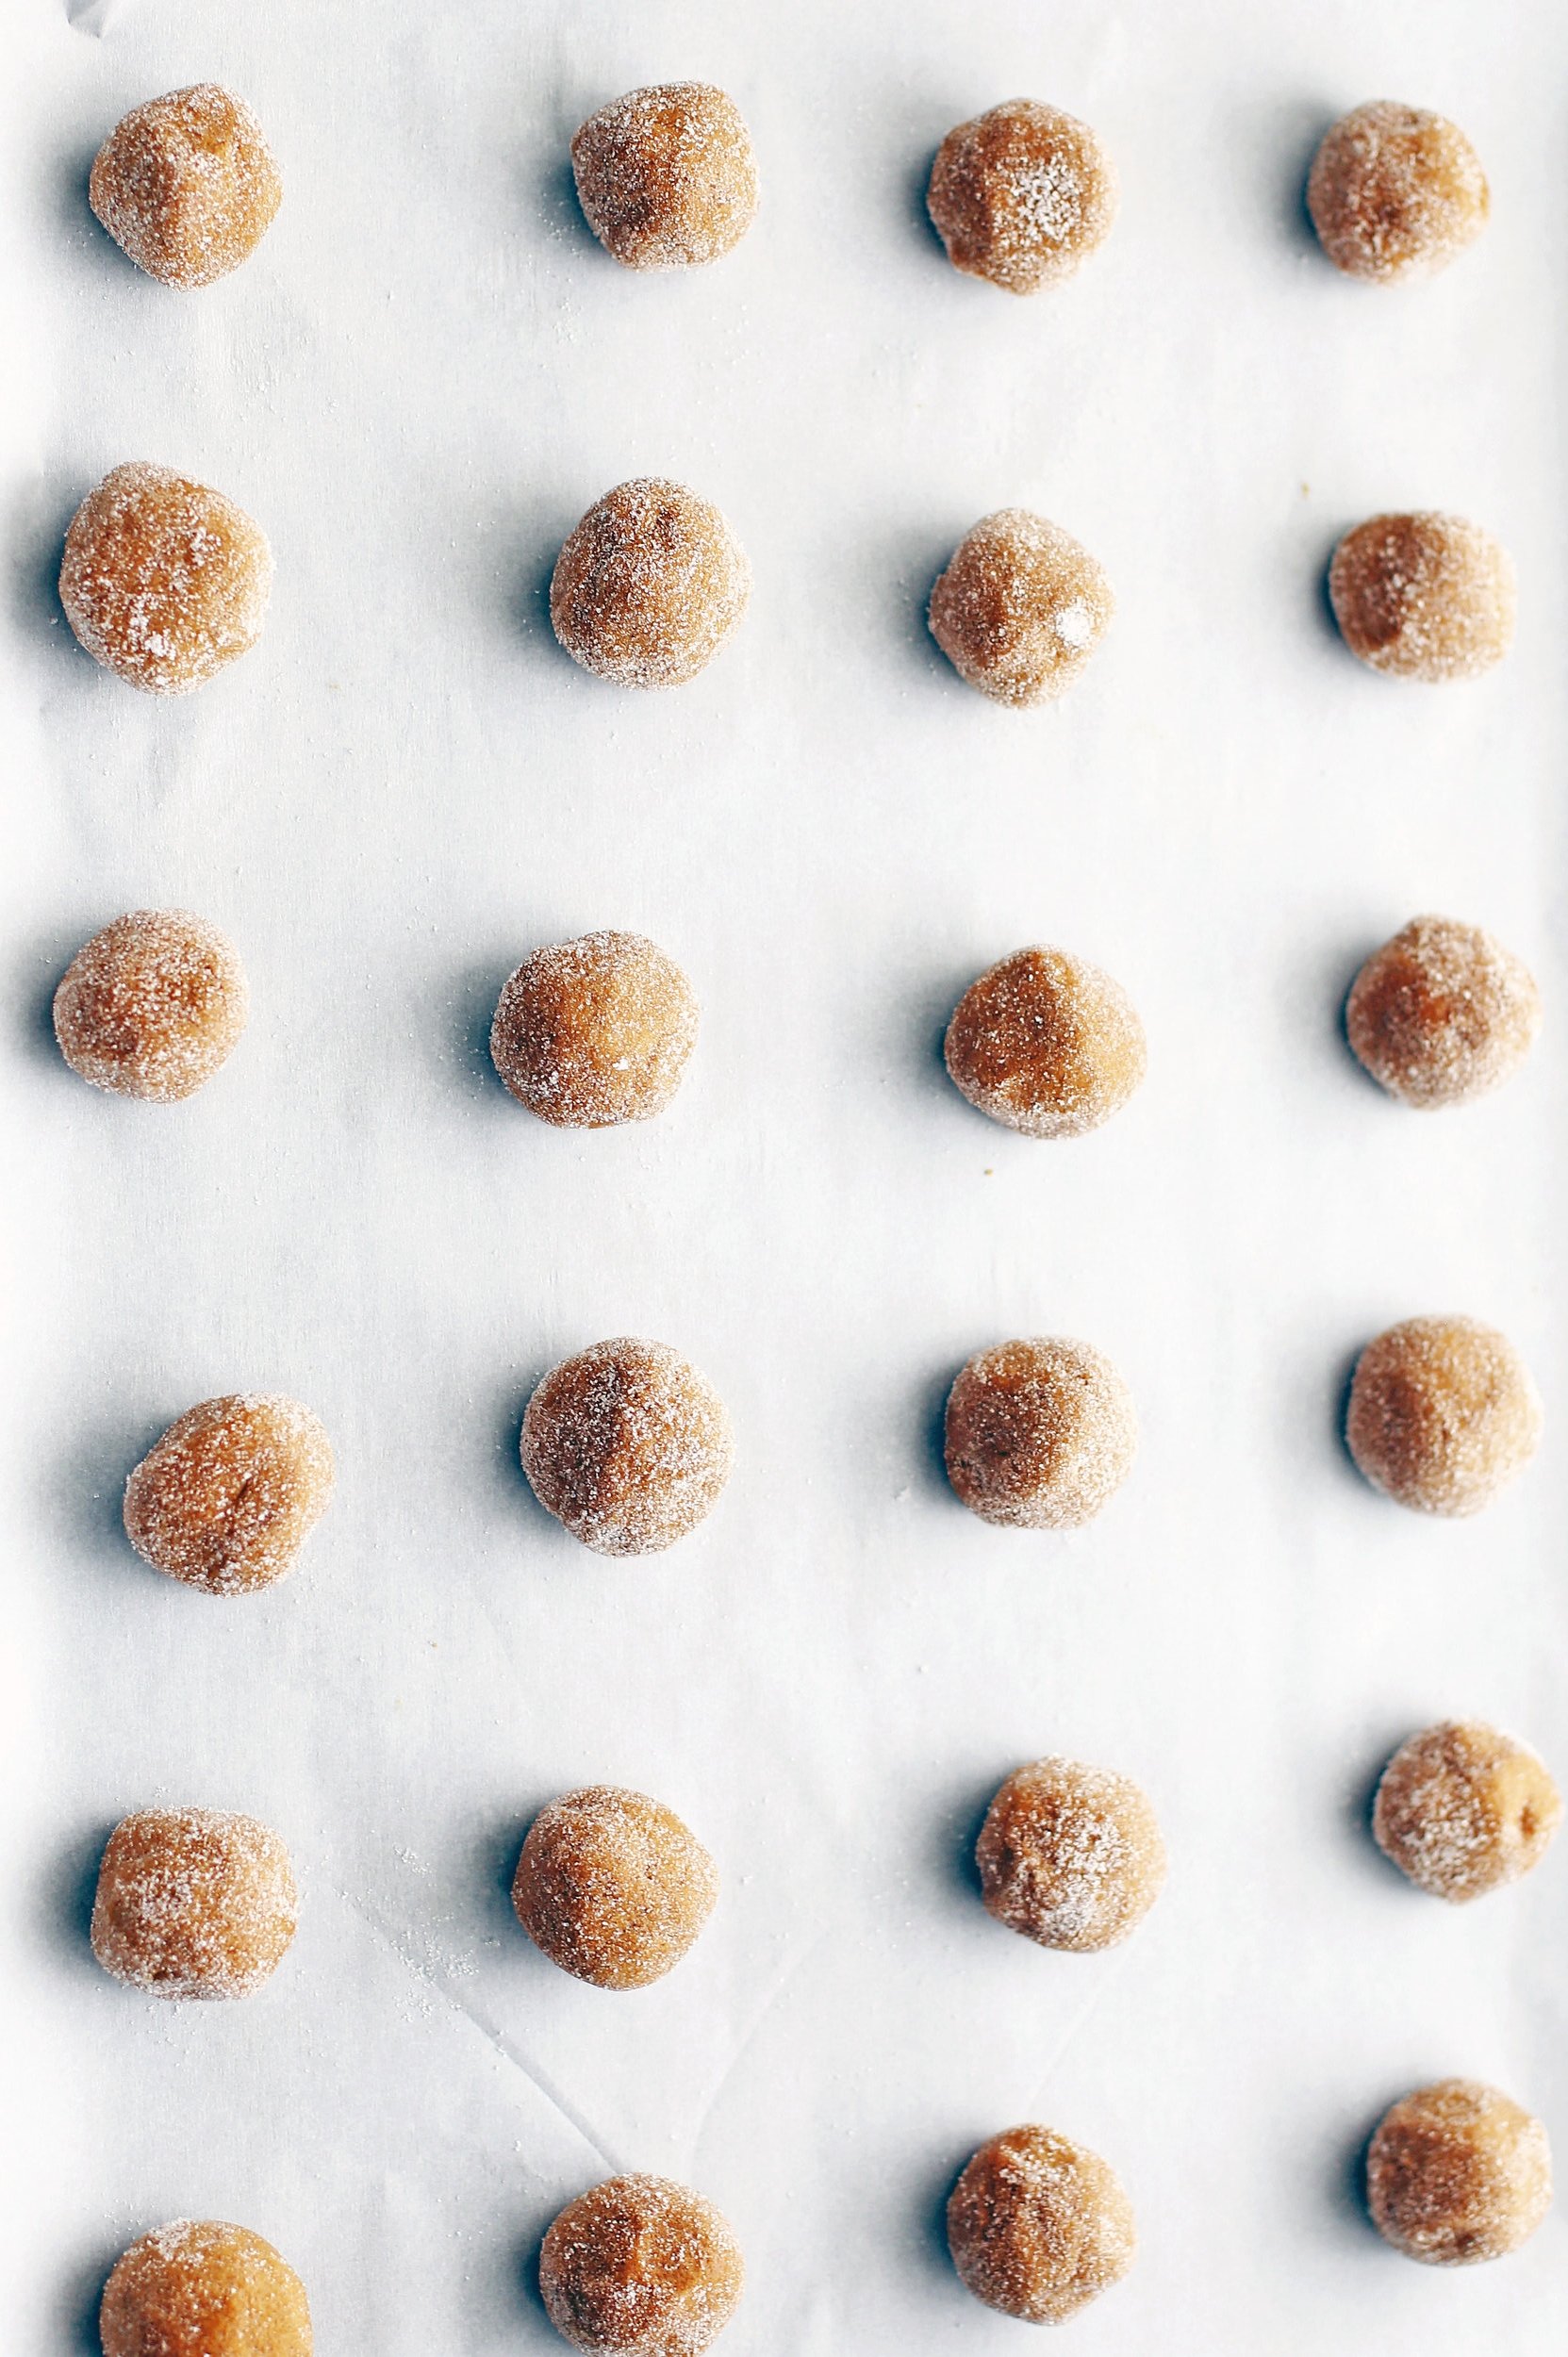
[
  {"x": 628, "y": 1446},
  {"x": 1046, "y": 1044},
  {"x": 1039, "y": 1434},
  {"x": 1443, "y": 1414},
  {"x": 1022, "y": 195},
  {"x": 1039, "y": 2226},
  {"x": 187, "y": 184},
  {"x": 193, "y": 1903},
  {"x": 199, "y": 2288},
  {"x": 230, "y": 1495},
  {"x": 164, "y": 582},
  {"x": 1424, "y": 597},
  {"x": 649, "y": 585},
  {"x": 612, "y": 1887},
  {"x": 1457, "y": 2173},
  {"x": 1071, "y": 1856},
  {"x": 1443, "y": 1012},
  {"x": 1395, "y": 192},
  {"x": 596, "y": 1032},
  {"x": 1462, "y": 1809},
  {"x": 152, "y": 1006},
  {"x": 1020, "y": 609},
  {"x": 667, "y": 177},
  {"x": 643, "y": 2266}
]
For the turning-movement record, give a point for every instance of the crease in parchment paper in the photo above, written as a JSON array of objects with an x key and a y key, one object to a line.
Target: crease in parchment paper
[{"x": 96, "y": 17}]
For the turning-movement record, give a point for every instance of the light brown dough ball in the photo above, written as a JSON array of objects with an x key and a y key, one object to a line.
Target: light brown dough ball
[
  {"x": 1046, "y": 1044},
  {"x": 193, "y": 1903},
  {"x": 1020, "y": 608},
  {"x": 594, "y": 1031},
  {"x": 1039, "y": 1434},
  {"x": 643, "y": 2266},
  {"x": 230, "y": 1495},
  {"x": 1462, "y": 1809},
  {"x": 152, "y": 1006},
  {"x": 1443, "y": 1414},
  {"x": 1039, "y": 2226},
  {"x": 1395, "y": 192},
  {"x": 1457, "y": 2173},
  {"x": 650, "y": 584},
  {"x": 628, "y": 1446},
  {"x": 199, "y": 2288},
  {"x": 1424, "y": 597},
  {"x": 612, "y": 1887},
  {"x": 163, "y": 580},
  {"x": 187, "y": 184},
  {"x": 1071, "y": 1856},
  {"x": 1443, "y": 1012},
  {"x": 1022, "y": 195},
  {"x": 666, "y": 176}
]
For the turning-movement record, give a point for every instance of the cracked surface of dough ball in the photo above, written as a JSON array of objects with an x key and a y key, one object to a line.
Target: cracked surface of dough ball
[
  {"x": 163, "y": 580},
  {"x": 1395, "y": 192},
  {"x": 1443, "y": 1414},
  {"x": 1424, "y": 597},
  {"x": 594, "y": 1031},
  {"x": 649, "y": 585},
  {"x": 1020, "y": 608},
  {"x": 1022, "y": 195},
  {"x": 1071, "y": 1856},
  {"x": 1039, "y": 1434},
  {"x": 641, "y": 2267},
  {"x": 1442, "y": 1013},
  {"x": 1039, "y": 2226},
  {"x": 200, "y": 2288},
  {"x": 612, "y": 1887},
  {"x": 152, "y": 1006},
  {"x": 1457, "y": 2173},
  {"x": 226, "y": 1499},
  {"x": 666, "y": 176},
  {"x": 1046, "y": 1044},
  {"x": 628, "y": 1446},
  {"x": 1462, "y": 1809},
  {"x": 193, "y": 1903},
  {"x": 187, "y": 184}
]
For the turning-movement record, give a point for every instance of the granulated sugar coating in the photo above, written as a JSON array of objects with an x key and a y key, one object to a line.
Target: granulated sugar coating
[
  {"x": 594, "y": 1031},
  {"x": 1443, "y": 1012},
  {"x": 1039, "y": 2226},
  {"x": 1022, "y": 195},
  {"x": 199, "y": 2288},
  {"x": 1046, "y": 1044},
  {"x": 1069, "y": 1855},
  {"x": 1457, "y": 2173},
  {"x": 230, "y": 1495},
  {"x": 666, "y": 176},
  {"x": 1443, "y": 1414},
  {"x": 612, "y": 1887},
  {"x": 650, "y": 584},
  {"x": 164, "y": 582},
  {"x": 193, "y": 1903},
  {"x": 1395, "y": 192},
  {"x": 152, "y": 1006},
  {"x": 1424, "y": 597},
  {"x": 1462, "y": 1809},
  {"x": 1020, "y": 608},
  {"x": 1039, "y": 1434},
  {"x": 641, "y": 2267},
  {"x": 628, "y": 1446},
  {"x": 187, "y": 184}
]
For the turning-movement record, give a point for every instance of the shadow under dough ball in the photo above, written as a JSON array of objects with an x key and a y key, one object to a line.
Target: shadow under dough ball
[
  {"x": 628, "y": 1446},
  {"x": 1020, "y": 608},
  {"x": 187, "y": 184},
  {"x": 1071, "y": 1856},
  {"x": 643, "y": 2266},
  {"x": 1457, "y": 2173},
  {"x": 612, "y": 1887},
  {"x": 163, "y": 580},
  {"x": 666, "y": 176},
  {"x": 193, "y": 1903},
  {"x": 1039, "y": 2226},
  {"x": 199, "y": 2288},
  {"x": 1424, "y": 597},
  {"x": 152, "y": 1006},
  {"x": 1046, "y": 1043},
  {"x": 1395, "y": 192},
  {"x": 1443, "y": 1414},
  {"x": 226, "y": 1499},
  {"x": 1022, "y": 195},
  {"x": 649, "y": 585},
  {"x": 1039, "y": 1434},
  {"x": 1462, "y": 1809},
  {"x": 1442, "y": 1013},
  {"x": 591, "y": 1032}
]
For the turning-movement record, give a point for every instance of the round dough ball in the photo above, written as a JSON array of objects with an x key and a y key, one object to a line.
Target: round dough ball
[
  {"x": 1443, "y": 1414},
  {"x": 193, "y": 1903},
  {"x": 187, "y": 184},
  {"x": 1443, "y": 1012},
  {"x": 199, "y": 2288},
  {"x": 1071, "y": 1856},
  {"x": 1424, "y": 597},
  {"x": 594, "y": 1031},
  {"x": 1395, "y": 192},
  {"x": 612, "y": 1887},
  {"x": 628, "y": 1446},
  {"x": 666, "y": 176},
  {"x": 1022, "y": 195},
  {"x": 163, "y": 580},
  {"x": 1039, "y": 2226},
  {"x": 650, "y": 584},
  {"x": 1457, "y": 2173},
  {"x": 230, "y": 1495},
  {"x": 1462, "y": 1809},
  {"x": 1020, "y": 609},
  {"x": 1046, "y": 1044},
  {"x": 643, "y": 2266},
  {"x": 152, "y": 1006},
  {"x": 1039, "y": 1434}
]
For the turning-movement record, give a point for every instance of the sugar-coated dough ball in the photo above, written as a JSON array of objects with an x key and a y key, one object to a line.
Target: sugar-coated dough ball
[
  {"x": 1462, "y": 1809},
  {"x": 628, "y": 1446},
  {"x": 230, "y": 1495},
  {"x": 152, "y": 1006},
  {"x": 1457, "y": 2173},
  {"x": 193, "y": 1903},
  {"x": 199, "y": 2288},
  {"x": 612, "y": 1887},
  {"x": 666, "y": 176},
  {"x": 650, "y": 584},
  {"x": 1424, "y": 597},
  {"x": 1039, "y": 2226},
  {"x": 1022, "y": 195},
  {"x": 1039, "y": 1434},
  {"x": 1443, "y": 1414},
  {"x": 594, "y": 1031},
  {"x": 1020, "y": 608},
  {"x": 1046, "y": 1044},
  {"x": 1395, "y": 192},
  {"x": 641, "y": 2267},
  {"x": 163, "y": 580},
  {"x": 1071, "y": 1856},
  {"x": 1441, "y": 1013},
  {"x": 187, "y": 184}
]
